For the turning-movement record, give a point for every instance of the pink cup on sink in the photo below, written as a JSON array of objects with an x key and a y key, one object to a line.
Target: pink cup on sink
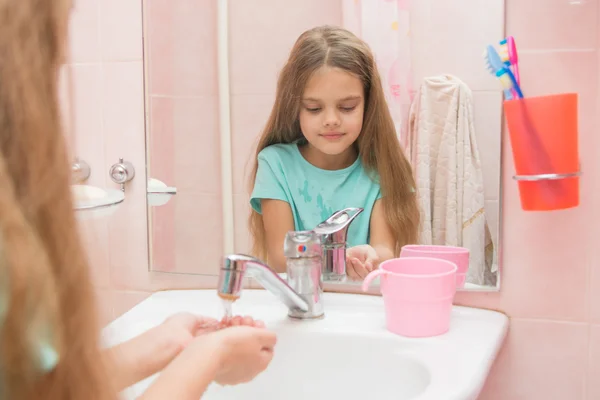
[
  {"x": 417, "y": 294},
  {"x": 457, "y": 255}
]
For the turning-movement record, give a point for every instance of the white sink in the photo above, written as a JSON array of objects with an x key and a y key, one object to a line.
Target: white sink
[{"x": 349, "y": 354}]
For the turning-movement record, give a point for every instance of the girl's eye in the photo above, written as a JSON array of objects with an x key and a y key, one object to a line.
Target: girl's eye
[
  {"x": 348, "y": 109},
  {"x": 313, "y": 110}
]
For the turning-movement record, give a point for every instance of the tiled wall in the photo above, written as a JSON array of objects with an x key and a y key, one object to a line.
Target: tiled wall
[
  {"x": 551, "y": 276},
  {"x": 106, "y": 102}
]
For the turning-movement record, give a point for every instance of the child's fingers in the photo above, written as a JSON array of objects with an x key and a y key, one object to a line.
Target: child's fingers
[{"x": 352, "y": 268}]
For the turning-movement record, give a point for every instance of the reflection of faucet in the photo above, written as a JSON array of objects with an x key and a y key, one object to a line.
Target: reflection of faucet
[
  {"x": 311, "y": 256},
  {"x": 334, "y": 232}
]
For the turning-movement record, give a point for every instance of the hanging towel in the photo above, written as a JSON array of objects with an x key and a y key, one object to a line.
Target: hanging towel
[{"x": 443, "y": 151}]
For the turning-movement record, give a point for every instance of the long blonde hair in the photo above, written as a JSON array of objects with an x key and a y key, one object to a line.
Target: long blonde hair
[
  {"x": 45, "y": 292},
  {"x": 378, "y": 145}
]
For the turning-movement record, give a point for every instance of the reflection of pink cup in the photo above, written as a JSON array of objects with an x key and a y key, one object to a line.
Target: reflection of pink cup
[
  {"x": 417, "y": 294},
  {"x": 457, "y": 255}
]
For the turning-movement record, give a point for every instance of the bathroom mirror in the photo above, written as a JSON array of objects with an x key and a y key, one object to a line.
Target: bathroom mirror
[{"x": 211, "y": 69}]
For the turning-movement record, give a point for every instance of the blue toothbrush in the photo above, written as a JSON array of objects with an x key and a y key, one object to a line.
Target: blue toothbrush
[{"x": 498, "y": 68}]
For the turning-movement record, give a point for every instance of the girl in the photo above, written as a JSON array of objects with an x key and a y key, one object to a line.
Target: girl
[
  {"x": 49, "y": 345},
  {"x": 329, "y": 144}
]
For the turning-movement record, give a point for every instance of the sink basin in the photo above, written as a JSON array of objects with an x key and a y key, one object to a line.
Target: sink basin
[
  {"x": 323, "y": 365},
  {"x": 348, "y": 354}
]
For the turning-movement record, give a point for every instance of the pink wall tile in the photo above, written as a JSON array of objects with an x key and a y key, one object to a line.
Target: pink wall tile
[
  {"x": 160, "y": 143},
  {"x": 249, "y": 114},
  {"x": 84, "y": 37},
  {"x": 593, "y": 388},
  {"x": 104, "y": 306},
  {"x": 121, "y": 30},
  {"x": 243, "y": 242},
  {"x": 86, "y": 107},
  {"x": 123, "y": 301},
  {"x": 94, "y": 234},
  {"x": 182, "y": 47},
  {"x": 188, "y": 129},
  {"x": 280, "y": 25},
  {"x": 457, "y": 51},
  {"x": 123, "y": 115},
  {"x": 540, "y": 360},
  {"x": 123, "y": 121},
  {"x": 162, "y": 236},
  {"x": 543, "y": 24},
  {"x": 128, "y": 243},
  {"x": 198, "y": 225},
  {"x": 195, "y": 133}
]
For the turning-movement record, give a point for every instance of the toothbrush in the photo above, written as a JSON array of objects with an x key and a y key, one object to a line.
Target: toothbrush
[
  {"x": 508, "y": 54},
  {"x": 496, "y": 67},
  {"x": 506, "y": 83},
  {"x": 508, "y": 93}
]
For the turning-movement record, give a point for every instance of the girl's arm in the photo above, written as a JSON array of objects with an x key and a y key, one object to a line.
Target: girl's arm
[
  {"x": 189, "y": 375},
  {"x": 278, "y": 220},
  {"x": 382, "y": 238},
  {"x": 142, "y": 356}
]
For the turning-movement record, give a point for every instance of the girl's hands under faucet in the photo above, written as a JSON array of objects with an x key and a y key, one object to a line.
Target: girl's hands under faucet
[
  {"x": 183, "y": 327},
  {"x": 360, "y": 260},
  {"x": 245, "y": 351},
  {"x": 228, "y": 356},
  {"x": 150, "y": 352}
]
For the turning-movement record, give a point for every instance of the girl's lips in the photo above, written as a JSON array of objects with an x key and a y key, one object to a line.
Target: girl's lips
[{"x": 332, "y": 135}]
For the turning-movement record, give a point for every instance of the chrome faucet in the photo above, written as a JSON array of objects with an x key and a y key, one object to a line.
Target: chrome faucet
[
  {"x": 311, "y": 256},
  {"x": 334, "y": 233},
  {"x": 237, "y": 266}
]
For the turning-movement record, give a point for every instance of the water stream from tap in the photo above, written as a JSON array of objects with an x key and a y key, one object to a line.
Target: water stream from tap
[{"x": 227, "y": 309}]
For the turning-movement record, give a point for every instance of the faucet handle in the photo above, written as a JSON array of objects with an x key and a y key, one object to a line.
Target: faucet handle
[
  {"x": 302, "y": 244},
  {"x": 335, "y": 228}
]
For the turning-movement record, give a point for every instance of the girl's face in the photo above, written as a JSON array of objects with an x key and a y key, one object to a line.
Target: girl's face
[{"x": 331, "y": 110}]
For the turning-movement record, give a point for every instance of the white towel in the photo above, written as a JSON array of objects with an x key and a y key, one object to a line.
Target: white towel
[{"x": 443, "y": 151}]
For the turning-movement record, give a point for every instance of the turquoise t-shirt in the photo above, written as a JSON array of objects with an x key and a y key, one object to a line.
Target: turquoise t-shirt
[{"x": 313, "y": 193}]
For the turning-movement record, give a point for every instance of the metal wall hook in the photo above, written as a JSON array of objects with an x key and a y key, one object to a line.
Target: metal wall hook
[
  {"x": 122, "y": 172},
  {"x": 80, "y": 171}
]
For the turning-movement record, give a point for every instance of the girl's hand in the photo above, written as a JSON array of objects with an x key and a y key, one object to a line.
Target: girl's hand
[
  {"x": 244, "y": 351},
  {"x": 183, "y": 327},
  {"x": 360, "y": 260},
  {"x": 241, "y": 321}
]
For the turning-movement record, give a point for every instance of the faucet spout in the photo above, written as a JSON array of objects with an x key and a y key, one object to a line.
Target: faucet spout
[
  {"x": 236, "y": 266},
  {"x": 334, "y": 233}
]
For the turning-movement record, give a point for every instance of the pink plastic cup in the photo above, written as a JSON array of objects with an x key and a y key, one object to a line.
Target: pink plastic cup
[
  {"x": 457, "y": 255},
  {"x": 417, "y": 294}
]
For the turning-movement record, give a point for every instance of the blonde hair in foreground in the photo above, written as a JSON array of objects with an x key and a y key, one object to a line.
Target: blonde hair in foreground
[
  {"x": 377, "y": 144},
  {"x": 45, "y": 290}
]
